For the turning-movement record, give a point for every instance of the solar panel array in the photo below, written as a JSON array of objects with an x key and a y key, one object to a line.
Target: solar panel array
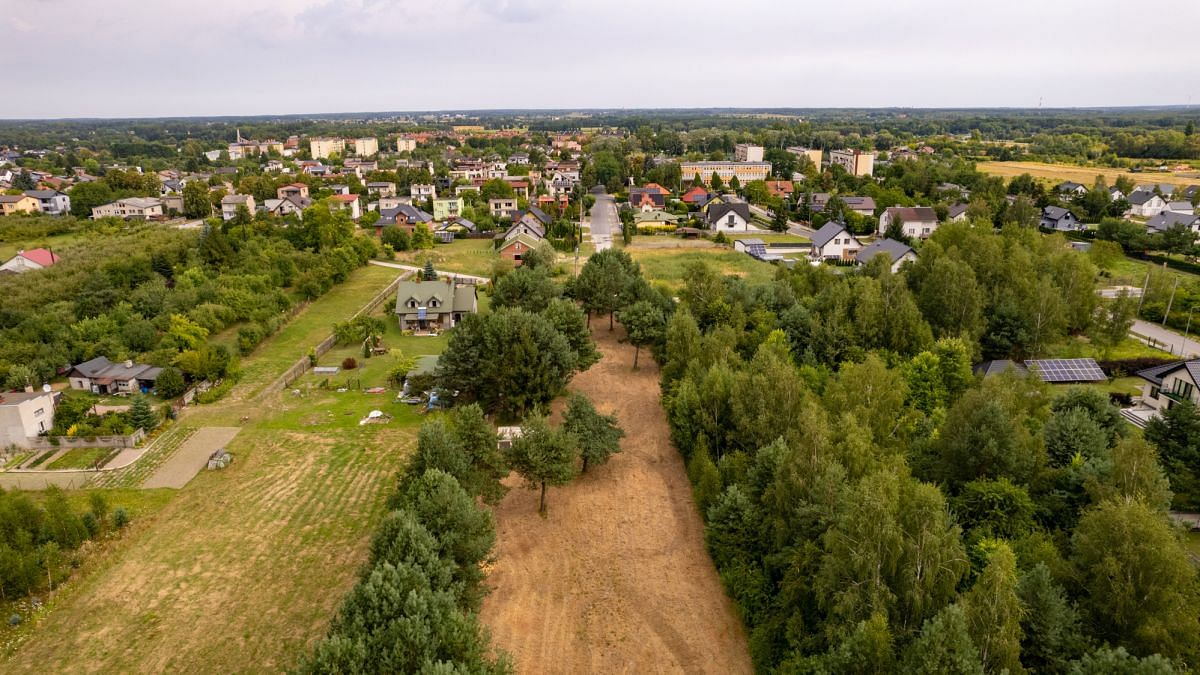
[{"x": 1068, "y": 370}]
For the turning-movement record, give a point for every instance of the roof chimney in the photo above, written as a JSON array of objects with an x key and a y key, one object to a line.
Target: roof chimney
[{"x": 128, "y": 363}]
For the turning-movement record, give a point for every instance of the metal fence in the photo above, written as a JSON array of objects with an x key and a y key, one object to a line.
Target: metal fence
[{"x": 50, "y": 442}]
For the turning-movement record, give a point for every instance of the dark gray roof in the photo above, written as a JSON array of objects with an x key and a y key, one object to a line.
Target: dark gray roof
[
  {"x": 956, "y": 210},
  {"x": 1168, "y": 219},
  {"x": 406, "y": 213},
  {"x": 1141, "y": 197},
  {"x": 718, "y": 211},
  {"x": 894, "y": 249},
  {"x": 540, "y": 215},
  {"x": 1056, "y": 213},
  {"x": 1155, "y": 374},
  {"x": 42, "y": 194},
  {"x": 1070, "y": 186},
  {"x": 828, "y": 231}
]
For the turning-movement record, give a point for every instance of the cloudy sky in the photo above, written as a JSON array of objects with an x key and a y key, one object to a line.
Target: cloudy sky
[{"x": 145, "y": 58}]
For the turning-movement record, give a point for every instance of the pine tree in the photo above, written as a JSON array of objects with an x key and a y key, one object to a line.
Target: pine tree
[
  {"x": 429, "y": 274},
  {"x": 141, "y": 415}
]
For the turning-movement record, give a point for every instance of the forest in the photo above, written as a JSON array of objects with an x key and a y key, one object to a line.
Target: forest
[
  {"x": 158, "y": 295},
  {"x": 872, "y": 506}
]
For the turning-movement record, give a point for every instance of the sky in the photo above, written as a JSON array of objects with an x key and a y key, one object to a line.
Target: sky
[{"x": 151, "y": 58}]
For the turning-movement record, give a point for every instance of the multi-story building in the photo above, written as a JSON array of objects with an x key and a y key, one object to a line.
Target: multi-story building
[
  {"x": 406, "y": 144},
  {"x": 19, "y": 204},
  {"x": 322, "y": 148},
  {"x": 855, "y": 162},
  {"x": 133, "y": 207},
  {"x": 366, "y": 147},
  {"x": 52, "y": 202},
  {"x": 445, "y": 208},
  {"x": 230, "y": 204},
  {"x": 745, "y": 171},
  {"x": 25, "y": 415},
  {"x": 813, "y": 154},
  {"x": 745, "y": 152}
]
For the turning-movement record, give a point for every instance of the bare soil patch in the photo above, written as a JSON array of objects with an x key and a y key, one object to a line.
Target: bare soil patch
[{"x": 616, "y": 578}]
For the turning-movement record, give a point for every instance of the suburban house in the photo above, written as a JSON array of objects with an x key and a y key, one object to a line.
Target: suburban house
[
  {"x": 52, "y": 202},
  {"x": 287, "y": 206},
  {"x": 340, "y": 189},
  {"x": 25, "y": 415},
  {"x": 1114, "y": 193},
  {"x": 863, "y": 206},
  {"x": 516, "y": 246},
  {"x": 299, "y": 190},
  {"x": 381, "y": 189},
  {"x": 898, "y": 252},
  {"x": 530, "y": 227},
  {"x": 1058, "y": 218},
  {"x": 391, "y": 202},
  {"x": 1165, "y": 386},
  {"x": 28, "y": 261},
  {"x": 562, "y": 201},
  {"x": 834, "y": 242},
  {"x": 230, "y": 204},
  {"x": 534, "y": 218},
  {"x": 656, "y": 217},
  {"x": 445, "y": 208},
  {"x": 422, "y": 191},
  {"x": 647, "y": 198},
  {"x": 502, "y": 207},
  {"x": 434, "y": 305},
  {"x": 781, "y": 188},
  {"x": 1070, "y": 190},
  {"x": 916, "y": 221},
  {"x": 729, "y": 217},
  {"x": 957, "y": 213},
  {"x": 101, "y": 376},
  {"x": 855, "y": 162},
  {"x": 1167, "y": 190},
  {"x": 1174, "y": 207},
  {"x": 10, "y": 204},
  {"x": 347, "y": 202},
  {"x": 405, "y": 215},
  {"x": 1168, "y": 219},
  {"x": 133, "y": 207},
  {"x": 696, "y": 195},
  {"x": 1146, "y": 204}
]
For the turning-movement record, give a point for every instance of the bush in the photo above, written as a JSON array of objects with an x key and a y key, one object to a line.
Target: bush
[
  {"x": 120, "y": 517},
  {"x": 170, "y": 383},
  {"x": 248, "y": 338},
  {"x": 349, "y": 363}
]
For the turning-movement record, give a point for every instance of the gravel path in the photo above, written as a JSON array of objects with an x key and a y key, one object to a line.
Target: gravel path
[{"x": 191, "y": 457}]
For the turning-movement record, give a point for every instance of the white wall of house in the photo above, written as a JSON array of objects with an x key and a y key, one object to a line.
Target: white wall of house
[
  {"x": 841, "y": 247},
  {"x": 732, "y": 222},
  {"x": 24, "y": 419}
]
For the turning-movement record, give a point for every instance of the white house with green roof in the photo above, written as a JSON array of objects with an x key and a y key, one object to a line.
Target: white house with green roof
[{"x": 434, "y": 305}]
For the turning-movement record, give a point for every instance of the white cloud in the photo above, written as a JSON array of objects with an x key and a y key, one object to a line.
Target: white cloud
[{"x": 149, "y": 57}]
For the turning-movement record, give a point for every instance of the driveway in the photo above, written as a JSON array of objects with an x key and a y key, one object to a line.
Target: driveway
[
  {"x": 1166, "y": 340},
  {"x": 793, "y": 227},
  {"x": 604, "y": 221},
  {"x": 441, "y": 273}
]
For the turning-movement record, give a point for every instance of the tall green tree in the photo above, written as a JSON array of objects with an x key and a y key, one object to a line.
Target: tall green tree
[
  {"x": 195, "y": 200},
  {"x": 645, "y": 325},
  {"x": 1176, "y": 434},
  {"x": 525, "y": 288},
  {"x": 597, "y": 436},
  {"x": 141, "y": 415},
  {"x": 944, "y": 646},
  {"x": 993, "y": 612},
  {"x": 543, "y": 456},
  {"x": 1052, "y": 634}
]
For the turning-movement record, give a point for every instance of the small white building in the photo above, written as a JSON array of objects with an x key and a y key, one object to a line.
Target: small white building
[
  {"x": 29, "y": 261},
  {"x": 53, "y": 202},
  {"x": 230, "y": 204},
  {"x": 422, "y": 191},
  {"x": 898, "y": 252},
  {"x": 916, "y": 221},
  {"x": 729, "y": 217},
  {"x": 834, "y": 242},
  {"x": 1146, "y": 204},
  {"x": 25, "y": 415}
]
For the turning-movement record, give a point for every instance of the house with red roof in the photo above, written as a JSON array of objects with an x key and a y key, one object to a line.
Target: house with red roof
[
  {"x": 28, "y": 261},
  {"x": 781, "y": 188},
  {"x": 343, "y": 202},
  {"x": 696, "y": 195}
]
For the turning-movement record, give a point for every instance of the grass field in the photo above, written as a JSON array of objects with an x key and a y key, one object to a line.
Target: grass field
[
  {"x": 465, "y": 256},
  {"x": 311, "y": 326},
  {"x": 774, "y": 238},
  {"x": 668, "y": 265},
  {"x": 80, "y": 458},
  {"x": 1057, "y": 173},
  {"x": 1080, "y": 348},
  {"x": 56, "y": 243},
  {"x": 244, "y": 567}
]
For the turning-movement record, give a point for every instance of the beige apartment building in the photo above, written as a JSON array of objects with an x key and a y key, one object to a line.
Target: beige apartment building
[
  {"x": 745, "y": 152},
  {"x": 745, "y": 171},
  {"x": 813, "y": 154},
  {"x": 855, "y": 162},
  {"x": 322, "y": 148},
  {"x": 366, "y": 147}
]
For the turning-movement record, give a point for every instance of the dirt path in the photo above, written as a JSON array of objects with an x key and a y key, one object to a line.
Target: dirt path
[
  {"x": 191, "y": 457},
  {"x": 616, "y": 578}
]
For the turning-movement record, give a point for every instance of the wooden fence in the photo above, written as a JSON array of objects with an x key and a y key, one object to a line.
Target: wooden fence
[{"x": 304, "y": 363}]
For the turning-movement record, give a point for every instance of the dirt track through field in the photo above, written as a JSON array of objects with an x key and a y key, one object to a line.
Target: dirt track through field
[{"x": 616, "y": 579}]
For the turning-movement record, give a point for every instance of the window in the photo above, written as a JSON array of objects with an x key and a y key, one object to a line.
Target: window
[
  {"x": 1154, "y": 392},
  {"x": 39, "y": 412},
  {"x": 1182, "y": 389}
]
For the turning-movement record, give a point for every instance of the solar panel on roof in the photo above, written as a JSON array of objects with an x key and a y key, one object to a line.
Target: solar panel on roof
[{"x": 1068, "y": 370}]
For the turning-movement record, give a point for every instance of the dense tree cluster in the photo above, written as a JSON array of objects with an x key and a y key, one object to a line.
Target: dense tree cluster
[
  {"x": 39, "y": 540},
  {"x": 873, "y": 507},
  {"x": 156, "y": 295}
]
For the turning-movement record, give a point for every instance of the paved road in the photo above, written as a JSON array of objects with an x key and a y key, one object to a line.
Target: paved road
[
  {"x": 793, "y": 227},
  {"x": 604, "y": 222},
  {"x": 1165, "y": 339}
]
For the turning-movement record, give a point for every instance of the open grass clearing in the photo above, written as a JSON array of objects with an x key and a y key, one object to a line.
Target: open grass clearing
[
  {"x": 465, "y": 256},
  {"x": 57, "y": 243},
  {"x": 774, "y": 238},
  {"x": 669, "y": 265},
  {"x": 1082, "y": 348},
  {"x": 1057, "y": 173}
]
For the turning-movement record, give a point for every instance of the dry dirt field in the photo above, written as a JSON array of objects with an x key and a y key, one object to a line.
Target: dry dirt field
[
  {"x": 191, "y": 457},
  {"x": 616, "y": 578},
  {"x": 1079, "y": 174}
]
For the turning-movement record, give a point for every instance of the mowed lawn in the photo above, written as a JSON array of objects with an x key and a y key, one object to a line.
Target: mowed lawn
[
  {"x": 242, "y": 569},
  {"x": 465, "y": 256},
  {"x": 669, "y": 265},
  {"x": 1086, "y": 175},
  {"x": 312, "y": 325}
]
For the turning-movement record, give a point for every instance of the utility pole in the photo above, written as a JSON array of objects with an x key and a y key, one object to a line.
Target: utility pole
[
  {"x": 1170, "y": 302},
  {"x": 1142, "y": 298}
]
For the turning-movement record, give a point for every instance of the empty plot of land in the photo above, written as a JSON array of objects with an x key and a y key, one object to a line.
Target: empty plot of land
[
  {"x": 1080, "y": 174},
  {"x": 616, "y": 578},
  {"x": 191, "y": 457},
  {"x": 239, "y": 572}
]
